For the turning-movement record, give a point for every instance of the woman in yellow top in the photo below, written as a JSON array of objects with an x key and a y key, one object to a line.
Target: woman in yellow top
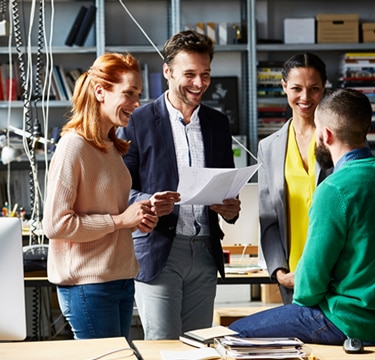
[{"x": 289, "y": 173}]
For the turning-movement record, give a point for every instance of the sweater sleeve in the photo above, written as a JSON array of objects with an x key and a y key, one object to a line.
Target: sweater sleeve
[
  {"x": 65, "y": 216},
  {"x": 326, "y": 237}
]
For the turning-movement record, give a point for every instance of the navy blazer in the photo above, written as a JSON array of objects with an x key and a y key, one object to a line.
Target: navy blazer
[{"x": 151, "y": 160}]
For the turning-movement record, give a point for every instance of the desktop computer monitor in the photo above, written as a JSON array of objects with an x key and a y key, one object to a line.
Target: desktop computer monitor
[{"x": 12, "y": 300}]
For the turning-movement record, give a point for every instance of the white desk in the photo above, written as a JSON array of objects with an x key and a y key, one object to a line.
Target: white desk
[{"x": 65, "y": 349}]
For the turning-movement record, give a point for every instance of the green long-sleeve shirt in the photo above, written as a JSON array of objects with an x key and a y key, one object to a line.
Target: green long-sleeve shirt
[{"x": 337, "y": 268}]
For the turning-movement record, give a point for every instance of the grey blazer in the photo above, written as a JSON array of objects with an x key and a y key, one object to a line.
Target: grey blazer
[{"x": 272, "y": 200}]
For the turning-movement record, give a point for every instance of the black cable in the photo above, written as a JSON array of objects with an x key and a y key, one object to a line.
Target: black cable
[
  {"x": 3, "y": 7},
  {"x": 32, "y": 127}
]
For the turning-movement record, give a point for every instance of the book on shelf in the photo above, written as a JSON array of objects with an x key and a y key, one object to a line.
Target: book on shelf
[
  {"x": 54, "y": 91},
  {"x": 270, "y": 91},
  {"x": 359, "y": 55},
  {"x": 66, "y": 85},
  {"x": 9, "y": 81},
  {"x": 74, "y": 74},
  {"x": 75, "y": 27},
  {"x": 86, "y": 25},
  {"x": 62, "y": 95}
]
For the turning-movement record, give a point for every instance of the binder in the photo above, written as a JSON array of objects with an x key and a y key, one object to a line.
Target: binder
[
  {"x": 75, "y": 27},
  {"x": 85, "y": 27}
]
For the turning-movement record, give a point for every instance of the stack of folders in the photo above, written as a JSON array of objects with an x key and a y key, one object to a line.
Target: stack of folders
[
  {"x": 231, "y": 347},
  {"x": 205, "y": 337}
]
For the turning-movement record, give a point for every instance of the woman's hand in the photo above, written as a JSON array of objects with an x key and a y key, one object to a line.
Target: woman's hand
[{"x": 139, "y": 215}]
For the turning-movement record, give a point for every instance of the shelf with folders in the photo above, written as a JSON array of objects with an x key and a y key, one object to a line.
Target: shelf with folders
[
  {"x": 171, "y": 16},
  {"x": 60, "y": 89},
  {"x": 272, "y": 108},
  {"x": 269, "y": 26},
  {"x": 357, "y": 71}
]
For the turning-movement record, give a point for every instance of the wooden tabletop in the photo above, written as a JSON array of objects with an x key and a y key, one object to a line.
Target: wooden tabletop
[
  {"x": 150, "y": 350},
  {"x": 66, "y": 350}
]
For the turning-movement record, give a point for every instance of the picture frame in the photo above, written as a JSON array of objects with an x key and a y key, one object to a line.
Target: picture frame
[{"x": 222, "y": 94}]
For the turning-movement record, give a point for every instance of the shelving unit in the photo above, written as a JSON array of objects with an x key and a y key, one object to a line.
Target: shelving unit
[
  {"x": 114, "y": 30},
  {"x": 268, "y": 24},
  {"x": 61, "y": 13}
]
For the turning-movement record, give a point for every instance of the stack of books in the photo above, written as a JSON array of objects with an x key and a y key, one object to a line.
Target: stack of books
[
  {"x": 272, "y": 104},
  {"x": 231, "y": 347},
  {"x": 358, "y": 72},
  {"x": 269, "y": 79},
  {"x": 205, "y": 337}
]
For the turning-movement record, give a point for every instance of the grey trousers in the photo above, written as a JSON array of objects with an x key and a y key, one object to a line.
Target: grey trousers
[{"x": 182, "y": 297}]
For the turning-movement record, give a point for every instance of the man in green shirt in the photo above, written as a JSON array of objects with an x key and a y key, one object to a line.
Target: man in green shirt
[{"x": 334, "y": 296}]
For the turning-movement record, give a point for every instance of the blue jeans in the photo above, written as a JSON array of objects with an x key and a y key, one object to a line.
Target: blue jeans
[
  {"x": 182, "y": 297},
  {"x": 306, "y": 323},
  {"x": 98, "y": 310}
]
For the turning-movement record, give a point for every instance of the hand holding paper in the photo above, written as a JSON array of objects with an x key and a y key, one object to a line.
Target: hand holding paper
[{"x": 208, "y": 186}]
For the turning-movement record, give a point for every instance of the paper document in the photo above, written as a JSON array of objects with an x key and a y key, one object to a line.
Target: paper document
[
  {"x": 206, "y": 353},
  {"x": 208, "y": 186}
]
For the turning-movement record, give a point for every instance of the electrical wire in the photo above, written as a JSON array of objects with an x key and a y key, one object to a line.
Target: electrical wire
[
  {"x": 142, "y": 30},
  {"x": 132, "y": 352},
  {"x": 244, "y": 147},
  {"x": 160, "y": 54},
  {"x": 9, "y": 196}
]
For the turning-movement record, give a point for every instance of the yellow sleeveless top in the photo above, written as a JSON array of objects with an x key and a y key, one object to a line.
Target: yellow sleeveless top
[{"x": 300, "y": 186}]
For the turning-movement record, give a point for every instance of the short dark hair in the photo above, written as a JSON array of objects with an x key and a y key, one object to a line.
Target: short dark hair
[
  {"x": 189, "y": 41},
  {"x": 305, "y": 60},
  {"x": 348, "y": 113}
]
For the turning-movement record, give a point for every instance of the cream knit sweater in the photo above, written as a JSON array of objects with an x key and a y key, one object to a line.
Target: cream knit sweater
[{"x": 85, "y": 187}]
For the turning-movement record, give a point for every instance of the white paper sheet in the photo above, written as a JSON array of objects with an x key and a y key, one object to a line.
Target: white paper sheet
[
  {"x": 205, "y": 353},
  {"x": 208, "y": 186}
]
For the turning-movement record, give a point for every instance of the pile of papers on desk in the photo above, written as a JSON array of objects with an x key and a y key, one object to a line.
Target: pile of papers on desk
[
  {"x": 205, "y": 337},
  {"x": 231, "y": 347}
]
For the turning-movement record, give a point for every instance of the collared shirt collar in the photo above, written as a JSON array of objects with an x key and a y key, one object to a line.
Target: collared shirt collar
[
  {"x": 176, "y": 114},
  {"x": 355, "y": 154}
]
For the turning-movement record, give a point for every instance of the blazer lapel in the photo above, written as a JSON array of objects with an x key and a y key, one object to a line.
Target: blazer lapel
[{"x": 164, "y": 128}]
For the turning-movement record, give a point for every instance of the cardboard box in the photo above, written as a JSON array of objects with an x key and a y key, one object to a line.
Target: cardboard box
[
  {"x": 368, "y": 32},
  {"x": 299, "y": 31},
  {"x": 270, "y": 294},
  {"x": 338, "y": 28}
]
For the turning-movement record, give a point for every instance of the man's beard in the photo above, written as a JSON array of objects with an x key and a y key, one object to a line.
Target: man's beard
[{"x": 323, "y": 156}]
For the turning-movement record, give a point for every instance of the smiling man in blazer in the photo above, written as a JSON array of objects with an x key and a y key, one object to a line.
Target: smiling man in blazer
[{"x": 179, "y": 260}]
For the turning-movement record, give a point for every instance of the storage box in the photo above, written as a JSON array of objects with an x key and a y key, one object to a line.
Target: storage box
[
  {"x": 270, "y": 294},
  {"x": 338, "y": 28},
  {"x": 299, "y": 31},
  {"x": 368, "y": 32}
]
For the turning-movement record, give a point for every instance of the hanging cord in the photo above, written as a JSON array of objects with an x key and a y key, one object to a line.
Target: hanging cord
[
  {"x": 140, "y": 28},
  {"x": 160, "y": 54},
  {"x": 33, "y": 127},
  {"x": 35, "y": 130}
]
